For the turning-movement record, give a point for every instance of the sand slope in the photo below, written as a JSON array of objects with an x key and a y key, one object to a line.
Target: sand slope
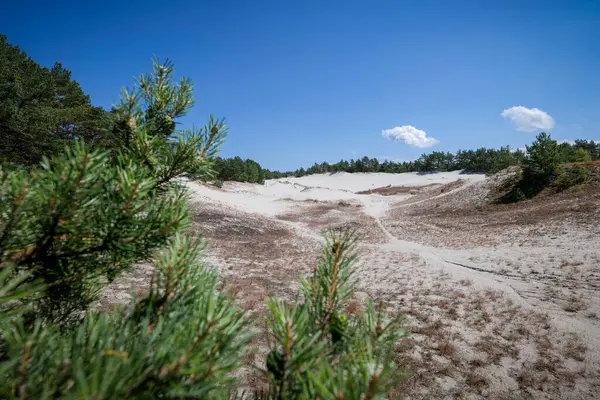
[{"x": 502, "y": 302}]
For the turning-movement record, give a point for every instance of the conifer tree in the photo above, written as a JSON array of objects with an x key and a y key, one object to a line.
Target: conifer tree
[
  {"x": 74, "y": 224},
  {"x": 323, "y": 351},
  {"x": 542, "y": 161},
  {"x": 86, "y": 216},
  {"x": 42, "y": 109}
]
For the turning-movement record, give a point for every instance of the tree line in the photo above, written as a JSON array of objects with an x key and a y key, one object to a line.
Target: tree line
[
  {"x": 483, "y": 160},
  {"x": 239, "y": 170},
  {"x": 43, "y": 109}
]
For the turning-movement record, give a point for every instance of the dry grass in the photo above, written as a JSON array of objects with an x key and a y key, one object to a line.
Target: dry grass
[
  {"x": 477, "y": 382},
  {"x": 393, "y": 190},
  {"x": 574, "y": 304},
  {"x": 465, "y": 217},
  {"x": 319, "y": 216}
]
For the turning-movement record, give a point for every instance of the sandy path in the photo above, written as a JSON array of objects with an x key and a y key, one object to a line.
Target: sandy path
[{"x": 458, "y": 263}]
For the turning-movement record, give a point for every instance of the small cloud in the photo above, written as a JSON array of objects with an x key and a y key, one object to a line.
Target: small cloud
[
  {"x": 522, "y": 149},
  {"x": 410, "y": 135},
  {"x": 529, "y": 119},
  {"x": 571, "y": 142}
]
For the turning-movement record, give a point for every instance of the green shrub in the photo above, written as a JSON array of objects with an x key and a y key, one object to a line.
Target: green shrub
[
  {"x": 582, "y": 155},
  {"x": 79, "y": 220},
  {"x": 540, "y": 169},
  {"x": 82, "y": 218},
  {"x": 322, "y": 352},
  {"x": 572, "y": 176},
  {"x": 184, "y": 338}
]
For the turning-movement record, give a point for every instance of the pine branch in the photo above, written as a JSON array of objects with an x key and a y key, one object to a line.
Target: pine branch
[{"x": 16, "y": 203}]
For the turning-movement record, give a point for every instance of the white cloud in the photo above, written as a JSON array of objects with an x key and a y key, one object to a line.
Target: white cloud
[
  {"x": 410, "y": 135},
  {"x": 523, "y": 149},
  {"x": 529, "y": 119},
  {"x": 561, "y": 141}
]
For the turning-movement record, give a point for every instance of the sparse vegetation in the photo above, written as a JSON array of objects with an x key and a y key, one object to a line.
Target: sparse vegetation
[{"x": 571, "y": 176}]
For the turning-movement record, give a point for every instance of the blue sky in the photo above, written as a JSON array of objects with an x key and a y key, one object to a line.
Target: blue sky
[{"x": 305, "y": 81}]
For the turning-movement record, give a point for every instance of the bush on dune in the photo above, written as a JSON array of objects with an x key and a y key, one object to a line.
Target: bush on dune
[
  {"x": 571, "y": 176},
  {"x": 542, "y": 169}
]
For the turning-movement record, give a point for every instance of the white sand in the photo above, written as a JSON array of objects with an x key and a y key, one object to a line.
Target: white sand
[
  {"x": 364, "y": 181},
  {"x": 507, "y": 292},
  {"x": 268, "y": 199},
  {"x": 501, "y": 302}
]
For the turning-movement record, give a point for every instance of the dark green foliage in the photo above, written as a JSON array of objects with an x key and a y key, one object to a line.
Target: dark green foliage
[
  {"x": 14, "y": 288},
  {"x": 276, "y": 364},
  {"x": 155, "y": 102},
  {"x": 42, "y": 109},
  {"x": 591, "y": 147},
  {"x": 571, "y": 176},
  {"x": 191, "y": 153},
  {"x": 145, "y": 128},
  {"x": 253, "y": 172},
  {"x": 319, "y": 351},
  {"x": 482, "y": 160},
  {"x": 78, "y": 219},
  {"x": 186, "y": 344},
  {"x": 338, "y": 327},
  {"x": 85, "y": 216},
  {"x": 582, "y": 155},
  {"x": 540, "y": 167},
  {"x": 238, "y": 170},
  {"x": 579, "y": 151}
]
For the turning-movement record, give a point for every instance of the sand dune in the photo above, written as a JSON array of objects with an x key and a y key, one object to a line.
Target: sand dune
[{"x": 502, "y": 302}]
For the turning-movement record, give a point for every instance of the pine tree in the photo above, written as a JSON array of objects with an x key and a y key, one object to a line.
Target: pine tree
[
  {"x": 543, "y": 158},
  {"x": 42, "y": 109},
  {"x": 86, "y": 216},
  {"x": 81, "y": 219},
  {"x": 582, "y": 155},
  {"x": 322, "y": 351}
]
